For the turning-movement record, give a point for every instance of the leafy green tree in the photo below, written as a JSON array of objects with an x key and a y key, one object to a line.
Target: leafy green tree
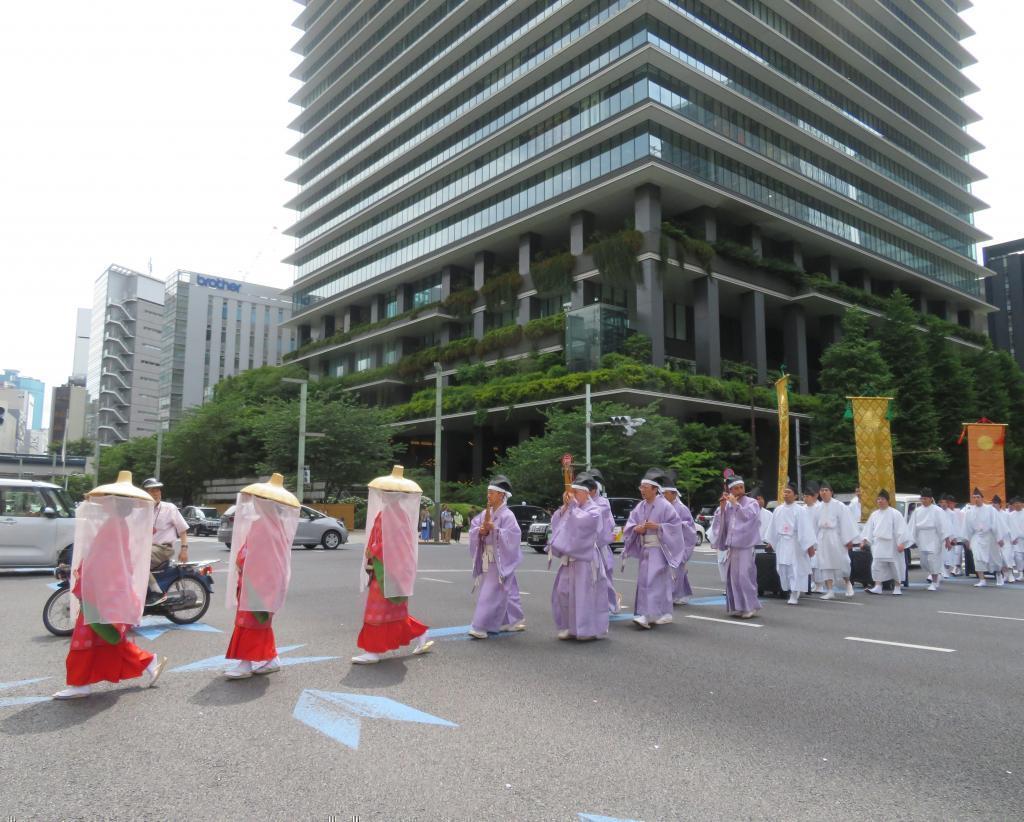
[
  {"x": 534, "y": 466},
  {"x": 84, "y": 447},
  {"x": 356, "y": 447},
  {"x": 953, "y": 382},
  {"x": 137, "y": 455},
  {"x": 699, "y": 472},
  {"x": 915, "y": 425},
  {"x": 854, "y": 366}
]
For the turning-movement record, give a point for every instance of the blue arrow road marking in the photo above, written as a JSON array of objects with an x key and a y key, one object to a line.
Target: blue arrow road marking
[
  {"x": 156, "y": 626},
  {"x": 6, "y": 686},
  {"x": 458, "y": 632},
  {"x": 593, "y": 817},
  {"x": 53, "y": 586},
  {"x": 719, "y": 600},
  {"x": 11, "y": 701},
  {"x": 215, "y": 662},
  {"x": 339, "y": 715}
]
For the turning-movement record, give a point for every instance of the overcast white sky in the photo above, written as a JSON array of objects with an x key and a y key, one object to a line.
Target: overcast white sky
[{"x": 134, "y": 130}]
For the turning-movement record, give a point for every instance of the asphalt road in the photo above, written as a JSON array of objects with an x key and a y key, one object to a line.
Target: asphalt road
[{"x": 701, "y": 719}]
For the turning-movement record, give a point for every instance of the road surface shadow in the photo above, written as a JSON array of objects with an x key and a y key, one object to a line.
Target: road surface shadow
[
  {"x": 56, "y": 716},
  {"x": 384, "y": 673},
  {"x": 220, "y": 691}
]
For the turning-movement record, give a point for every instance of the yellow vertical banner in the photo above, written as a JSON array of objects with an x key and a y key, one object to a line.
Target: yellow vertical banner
[
  {"x": 873, "y": 436},
  {"x": 985, "y": 441},
  {"x": 782, "y": 397}
]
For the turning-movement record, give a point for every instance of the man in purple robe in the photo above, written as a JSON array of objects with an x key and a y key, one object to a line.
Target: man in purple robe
[
  {"x": 681, "y": 589},
  {"x": 607, "y": 535},
  {"x": 654, "y": 535},
  {"x": 579, "y": 599},
  {"x": 494, "y": 545},
  {"x": 737, "y": 529}
]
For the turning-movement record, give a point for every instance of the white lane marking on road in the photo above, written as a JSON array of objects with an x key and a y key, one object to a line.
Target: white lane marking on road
[
  {"x": 434, "y": 579},
  {"x": 900, "y": 644},
  {"x": 446, "y": 570},
  {"x": 737, "y": 622},
  {"x": 705, "y": 588},
  {"x": 982, "y": 616}
]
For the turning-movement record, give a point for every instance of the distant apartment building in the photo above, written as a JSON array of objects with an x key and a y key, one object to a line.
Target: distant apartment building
[
  {"x": 17, "y": 406},
  {"x": 215, "y": 328},
  {"x": 68, "y": 404},
  {"x": 1005, "y": 290},
  {"x": 37, "y": 388},
  {"x": 123, "y": 377}
]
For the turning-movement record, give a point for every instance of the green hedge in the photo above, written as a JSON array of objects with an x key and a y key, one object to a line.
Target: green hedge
[
  {"x": 615, "y": 257},
  {"x": 501, "y": 289},
  {"x": 703, "y": 251},
  {"x": 553, "y": 275}
]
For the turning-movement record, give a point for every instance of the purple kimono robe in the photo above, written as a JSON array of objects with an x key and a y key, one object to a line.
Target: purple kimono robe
[
  {"x": 579, "y": 600},
  {"x": 737, "y": 529},
  {"x": 604, "y": 541},
  {"x": 660, "y": 553},
  {"x": 682, "y": 588},
  {"x": 495, "y": 559}
]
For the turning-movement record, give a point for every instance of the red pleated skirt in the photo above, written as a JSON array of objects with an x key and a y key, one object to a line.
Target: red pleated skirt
[
  {"x": 92, "y": 659},
  {"x": 252, "y": 640},
  {"x": 386, "y": 625}
]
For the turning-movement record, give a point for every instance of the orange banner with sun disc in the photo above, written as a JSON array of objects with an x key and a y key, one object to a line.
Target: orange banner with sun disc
[{"x": 985, "y": 441}]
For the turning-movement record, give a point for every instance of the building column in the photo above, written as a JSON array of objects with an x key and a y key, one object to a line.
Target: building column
[
  {"x": 951, "y": 311},
  {"x": 524, "y": 432},
  {"x": 831, "y": 330},
  {"x": 707, "y": 340},
  {"x": 832, "y": 270},
  {"x": 794, "y": 333},
  {"x": 529, "y": 245},
  {"x": 404, "y": 299},
  {"x": 375, "y": 309},
  {"x": 650, "y": 309},
  {"x": 798, "y": 255},
  {"x": 755, "y": 344},
  {"x": 752, "y": 235},
  {"x": 705, "y": 223},
  {"x": 650, "y": 299},
  {"x": 581, "y": 226},
  {"x": 482, "y": 266}
]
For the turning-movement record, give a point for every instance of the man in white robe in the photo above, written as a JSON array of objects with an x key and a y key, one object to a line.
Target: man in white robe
[
  {"x": 1015, "y": 520},
  {"x": 985, "y": 532},
  {"x": 791, "y": 537},
  {"x": 886, "y": 533},
  {"x": 811, "y": 506},
  {"x": 953, "y": 557},
  {"x": 834, "y": 538},
  {"x": 1003, "y": 510},
  {"x": 766, "y": 515},
  {"x": 929, "y": 531}
]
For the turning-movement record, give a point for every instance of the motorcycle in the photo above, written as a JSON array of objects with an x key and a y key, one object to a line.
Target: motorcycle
[{"x": 187, "y": 587}]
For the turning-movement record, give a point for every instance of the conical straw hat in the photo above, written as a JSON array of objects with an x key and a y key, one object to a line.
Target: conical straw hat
[
  {"x": 273, "y": 490},
  {"x": 122, "y": 488},
  {"x": 396, "y": 481}
]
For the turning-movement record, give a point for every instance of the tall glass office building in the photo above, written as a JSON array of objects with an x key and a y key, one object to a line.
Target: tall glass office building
[{"x": 512, "y": 149}]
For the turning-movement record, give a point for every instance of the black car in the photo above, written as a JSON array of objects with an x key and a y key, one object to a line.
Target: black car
[
  {"x": 526, "y": 515},
  {"x": 202, "y": 521},
  {"x": 538, "y": 533}
]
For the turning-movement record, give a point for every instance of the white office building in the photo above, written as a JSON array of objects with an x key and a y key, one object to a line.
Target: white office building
[
  {"x": 123, "y": 379},
  {"x": 216, "y": 328}
]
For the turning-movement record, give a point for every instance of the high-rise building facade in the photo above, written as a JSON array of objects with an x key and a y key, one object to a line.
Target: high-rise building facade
[
  {"x": 1005, "y": 290},
  {"x": 68, "y": 405},
  {"x": 215, "y": 328},
  {"x": 80, "y": 361},
  {"x": 467, "y": 166},
  {"x": 17, "y": 406},
  {"x": 37, "y": 388},
  {"x": 123, "y": 378}
]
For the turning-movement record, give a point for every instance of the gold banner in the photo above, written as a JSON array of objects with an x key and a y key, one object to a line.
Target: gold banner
[
  {"x": 985, "y": 442},
  {"x": 872, "y": 432},
  {"x": 782, "y": 396}
]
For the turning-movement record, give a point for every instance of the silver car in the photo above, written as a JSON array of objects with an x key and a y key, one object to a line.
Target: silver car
[
  {"x": 314, "y": 529},
  {"x": 37, "y": 524}
]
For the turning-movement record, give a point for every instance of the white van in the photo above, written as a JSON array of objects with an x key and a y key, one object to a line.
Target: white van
[{"x": 37, "y": 524}]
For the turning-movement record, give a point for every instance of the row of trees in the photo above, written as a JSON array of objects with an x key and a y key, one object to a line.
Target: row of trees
[
  {"x": 936, "y": 387},
  {"x": 251, "y": 427}
]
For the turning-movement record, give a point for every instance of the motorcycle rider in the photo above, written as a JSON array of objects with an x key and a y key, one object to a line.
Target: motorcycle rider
[{"x": 168, "y": 524}]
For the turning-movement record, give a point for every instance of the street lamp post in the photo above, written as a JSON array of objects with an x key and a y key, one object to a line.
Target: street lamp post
[
  {"x": 301, "y": 464},
  {"x": 629, "y": 424},
  {"x": 437, "y": 451}
]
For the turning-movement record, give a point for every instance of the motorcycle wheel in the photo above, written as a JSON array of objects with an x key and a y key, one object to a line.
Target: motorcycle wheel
[
  {"x": 184, "y": 585},
  {"x": 57, "y": 613}
]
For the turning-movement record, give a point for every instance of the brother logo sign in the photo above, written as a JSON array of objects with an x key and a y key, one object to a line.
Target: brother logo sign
[{"x": 217, "y": 282}]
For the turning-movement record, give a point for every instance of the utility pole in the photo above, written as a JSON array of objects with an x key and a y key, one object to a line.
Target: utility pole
[
  {"x": 799, "y": 470},
  {"x": 753, "y": 431},
  {"x": 300, "y": 473},
  {"x": 437, "y": 451},
  {"x": 159, "y": 447}
]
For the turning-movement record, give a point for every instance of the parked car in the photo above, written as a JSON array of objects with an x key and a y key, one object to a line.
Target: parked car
[
  {"x": 201, "y": 521},
  {"x": 314, "y": 529},
  {"x": 621, "y": 507},
  {"x": 705, "y": 515},
  {"x": 539, "y": 532},
  {"x": 37, "y": 524},
  {"x": 526, "y": 515}
]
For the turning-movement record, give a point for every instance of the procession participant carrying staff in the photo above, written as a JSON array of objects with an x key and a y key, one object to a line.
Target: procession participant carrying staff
[{"x": 494, "y": 546}]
